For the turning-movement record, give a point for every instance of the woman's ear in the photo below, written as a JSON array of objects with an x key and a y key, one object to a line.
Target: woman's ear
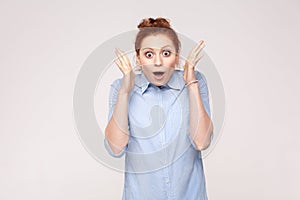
[
  {"x": 177, "y": 59},
  {"x": 138, "y": 60}
]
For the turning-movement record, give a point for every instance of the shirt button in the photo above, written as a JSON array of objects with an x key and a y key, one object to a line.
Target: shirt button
[{"x": 167, "y": 180}]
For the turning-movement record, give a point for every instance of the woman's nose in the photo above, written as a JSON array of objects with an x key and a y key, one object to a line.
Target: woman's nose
[{"x": 157, "y": 60}]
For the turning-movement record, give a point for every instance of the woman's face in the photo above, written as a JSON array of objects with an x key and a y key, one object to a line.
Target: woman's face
[{"x": 157, "y": 58}]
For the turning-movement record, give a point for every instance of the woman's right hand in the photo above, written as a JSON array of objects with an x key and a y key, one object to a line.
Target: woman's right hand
[{"x": 128, "y": 75}]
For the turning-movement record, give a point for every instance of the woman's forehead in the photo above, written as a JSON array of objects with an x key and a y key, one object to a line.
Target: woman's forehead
[{"x": 157, "y": 42}]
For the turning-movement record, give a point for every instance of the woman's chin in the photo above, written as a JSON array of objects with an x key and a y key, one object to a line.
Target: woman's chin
[{"x": 159, "y": 82}]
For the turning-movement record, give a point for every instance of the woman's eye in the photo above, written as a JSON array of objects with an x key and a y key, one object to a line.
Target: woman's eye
[
  {"x": 166, "y": 53},
  {"x": 149, "y": 54}
]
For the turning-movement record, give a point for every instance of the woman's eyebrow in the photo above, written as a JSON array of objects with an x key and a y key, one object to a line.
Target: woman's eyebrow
[{"x": 152, "y": 48}]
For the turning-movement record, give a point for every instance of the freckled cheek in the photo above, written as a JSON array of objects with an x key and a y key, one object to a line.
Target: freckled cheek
[
  {"x": 170, "y": 63},
  {"x": 145, "y": 61}
]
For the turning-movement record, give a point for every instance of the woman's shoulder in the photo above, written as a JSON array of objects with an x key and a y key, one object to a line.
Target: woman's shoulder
[
  {"x": 116, "y": 83},
  {"x": 138, "y": 80},
  {"x": 200, "y": 76}
]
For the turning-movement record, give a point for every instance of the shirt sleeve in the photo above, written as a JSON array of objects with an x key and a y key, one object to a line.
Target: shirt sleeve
[
  {"x": 204, "y": 93},
  {"x": 113, "y": 95}
]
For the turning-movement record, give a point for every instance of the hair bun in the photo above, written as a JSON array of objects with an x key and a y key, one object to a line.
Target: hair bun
[{"x": 158, "y": 22}]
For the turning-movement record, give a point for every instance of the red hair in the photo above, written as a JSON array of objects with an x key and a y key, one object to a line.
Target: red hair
[{"x": 156, "y": 26}]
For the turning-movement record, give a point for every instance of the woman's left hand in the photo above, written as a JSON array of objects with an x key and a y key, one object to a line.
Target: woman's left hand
[{"x": 191, "y": 62}]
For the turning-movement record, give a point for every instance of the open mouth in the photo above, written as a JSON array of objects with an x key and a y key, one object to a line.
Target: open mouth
[{"x": 158, "y": 75}]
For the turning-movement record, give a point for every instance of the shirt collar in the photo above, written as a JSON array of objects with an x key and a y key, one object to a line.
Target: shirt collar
[{"x": 176, "y": 81}]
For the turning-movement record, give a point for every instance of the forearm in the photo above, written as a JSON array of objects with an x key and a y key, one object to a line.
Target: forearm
[
  {"x": 201, "y": 126},
  {"x": 116, "y": 131}
]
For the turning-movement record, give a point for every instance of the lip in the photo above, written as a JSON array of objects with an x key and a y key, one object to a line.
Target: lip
[{"x": 159, "y": 77}]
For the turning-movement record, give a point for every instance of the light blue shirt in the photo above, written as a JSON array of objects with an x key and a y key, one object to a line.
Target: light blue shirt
[{"x": 161, "y": 159}]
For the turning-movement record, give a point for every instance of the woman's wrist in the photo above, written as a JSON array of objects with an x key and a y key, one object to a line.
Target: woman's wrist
[
  {"x": 191, "y": 82},
  {"x": 123, "y": 95}
]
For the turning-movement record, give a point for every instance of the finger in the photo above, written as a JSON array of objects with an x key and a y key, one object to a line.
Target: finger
[
  {"x": 127, "y": 62},
  {"x": 195, "y": 52},
  {"x": 119, "y": 65},
  {"x": 124, "y": 60},
  {"x": 189, "y": 61},
  {"x": 119, "y": 54},
  {"x": 199, "y": 49},
  {"x": 122, "y": 54},
  {"x": 199, "y": 57},
  {"x": 200, "y": 45}
]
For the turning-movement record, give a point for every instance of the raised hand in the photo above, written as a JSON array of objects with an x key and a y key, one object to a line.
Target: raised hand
[
  {"x": 191, "y": 62},
  {"x": 128, "y": 75}
]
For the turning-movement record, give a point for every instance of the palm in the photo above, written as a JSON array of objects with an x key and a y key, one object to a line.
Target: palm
[
  {"x": 124, "y": 65},
  {"x": 191, "y": 62}
]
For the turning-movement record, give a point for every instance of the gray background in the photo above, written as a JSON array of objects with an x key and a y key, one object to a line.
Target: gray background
[{"x": 254, "y": 45}]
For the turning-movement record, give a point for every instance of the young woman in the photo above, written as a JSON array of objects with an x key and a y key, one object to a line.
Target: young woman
[{"x": 160, "y": 118}]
